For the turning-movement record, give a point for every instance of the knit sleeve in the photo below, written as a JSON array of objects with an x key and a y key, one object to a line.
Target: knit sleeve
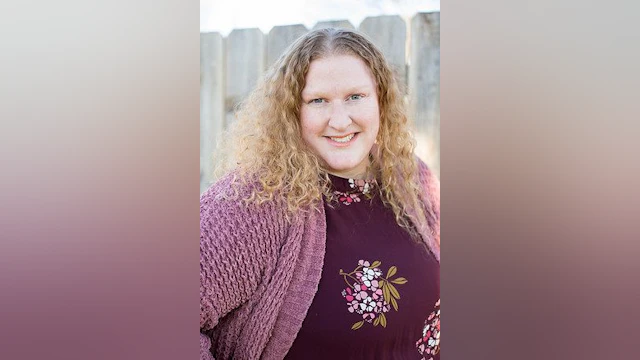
[
  {"x": 431, "y": 186},
  {"x": 205, "y": 345},
  {"x": 236, "y": 242}
]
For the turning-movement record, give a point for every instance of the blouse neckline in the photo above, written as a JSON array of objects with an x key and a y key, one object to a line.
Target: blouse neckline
[{"x": 353, "y": 186}]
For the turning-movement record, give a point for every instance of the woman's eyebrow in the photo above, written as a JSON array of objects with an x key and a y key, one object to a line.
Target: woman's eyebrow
[{"x": 319, "y": 92}]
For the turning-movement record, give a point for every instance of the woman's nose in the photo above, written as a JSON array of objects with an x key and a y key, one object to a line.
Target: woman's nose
[{"x": 339, "y": 117}]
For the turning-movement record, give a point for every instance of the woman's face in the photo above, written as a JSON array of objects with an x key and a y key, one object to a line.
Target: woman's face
[{"x": 339, "y": 115}]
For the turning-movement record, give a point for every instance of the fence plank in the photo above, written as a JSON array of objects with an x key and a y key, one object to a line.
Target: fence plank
[
  {"x": 245, "y": 65},
  {"x": 334, "y": 23},
  {"x": 280, "y": 37},
  {"x": 211, "y": 101},
  {"x": 424, "y": 85},
  {"x": 389, "y": 33}
]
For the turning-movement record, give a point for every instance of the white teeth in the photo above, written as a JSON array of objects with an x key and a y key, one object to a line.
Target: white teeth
[{"x": 343, "y": 139}]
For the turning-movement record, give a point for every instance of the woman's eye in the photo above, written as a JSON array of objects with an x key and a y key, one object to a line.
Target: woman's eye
[
  {"x": 316, "y": 101},
  {"x": 355, "y": 97}
]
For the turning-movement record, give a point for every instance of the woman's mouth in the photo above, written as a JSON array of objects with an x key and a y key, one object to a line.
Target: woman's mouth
[{"x": 342, "y": 141}]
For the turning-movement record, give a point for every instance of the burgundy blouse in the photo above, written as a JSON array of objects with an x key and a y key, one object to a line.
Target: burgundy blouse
[{"x": 379, "y": 295}]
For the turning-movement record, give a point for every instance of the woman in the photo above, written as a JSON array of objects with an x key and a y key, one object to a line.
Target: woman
[{"x": 322, "y": 240}]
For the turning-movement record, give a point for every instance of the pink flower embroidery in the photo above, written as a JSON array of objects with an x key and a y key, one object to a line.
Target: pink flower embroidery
[
  {"x": 347, "y": 199},
  {"x": 370, "y": 294},
  {"x": 362, "y": 185},
  {"x": 359, "y": 188},
  {"x": 429, "y": 344}
]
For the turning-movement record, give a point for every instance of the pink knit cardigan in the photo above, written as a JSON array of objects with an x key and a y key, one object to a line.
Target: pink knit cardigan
[{"x": 259, "y": 273}]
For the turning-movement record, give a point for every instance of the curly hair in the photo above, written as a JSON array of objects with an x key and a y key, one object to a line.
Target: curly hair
[{"x": 265, "y": 141}]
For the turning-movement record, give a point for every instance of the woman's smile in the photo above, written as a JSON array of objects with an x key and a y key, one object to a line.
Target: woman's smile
[{"x": 342, "y": 141}]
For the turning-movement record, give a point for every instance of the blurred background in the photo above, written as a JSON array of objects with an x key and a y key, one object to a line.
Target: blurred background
[{"x": 240, "y": 39}]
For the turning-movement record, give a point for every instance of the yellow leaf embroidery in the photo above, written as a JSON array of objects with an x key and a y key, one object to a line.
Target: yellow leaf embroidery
[
  {"x": 392, "y": 271},
  {"x": 394, "y": 303},
  {"x": 385, "y": 292},
  {"x": 393, "y": 291},
  {"x": 399, "y": 281}
]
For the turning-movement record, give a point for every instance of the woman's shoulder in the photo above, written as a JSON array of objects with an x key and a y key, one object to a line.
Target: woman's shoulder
[
  {"x": 224, "y": 208},
  {"x": 426, "y": 174},
  {"x": 430, "y": 183},
  {"x": 223, "y": 188},
  {"x": 230, "y": 194}
]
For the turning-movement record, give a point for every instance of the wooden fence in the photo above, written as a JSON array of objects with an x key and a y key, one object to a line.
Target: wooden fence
[{"x": 231, "y": 66}]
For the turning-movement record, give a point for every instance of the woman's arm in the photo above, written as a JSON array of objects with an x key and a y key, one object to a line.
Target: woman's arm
[
  {"x": 233, "y": 251},
  {"x": 431, "y": 193},
  {"x": 431, "y": 186}
]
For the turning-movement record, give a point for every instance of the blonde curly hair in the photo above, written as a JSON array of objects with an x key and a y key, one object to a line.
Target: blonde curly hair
[{"x": 265, "y": 142}]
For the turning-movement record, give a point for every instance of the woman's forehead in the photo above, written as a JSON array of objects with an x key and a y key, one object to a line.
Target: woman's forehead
[{"x": 338, "y": 71}]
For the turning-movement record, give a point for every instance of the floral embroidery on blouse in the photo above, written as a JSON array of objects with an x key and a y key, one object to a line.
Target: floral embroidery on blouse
[
  {"x": 347, "y": 198},
  {"x": 362, "y": 185},
  {"x": 429, "y": 344},
  {"x": 358, "y": 187},
  {"x": 370, "y": 294}
]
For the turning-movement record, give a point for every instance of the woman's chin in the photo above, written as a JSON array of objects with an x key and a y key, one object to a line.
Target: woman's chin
[{"x": 347, "y": 169}]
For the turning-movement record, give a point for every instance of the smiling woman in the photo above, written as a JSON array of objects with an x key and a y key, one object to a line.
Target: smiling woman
[
  {"x": 321, "y": 176},
  {"x": 340, "y": 120}
]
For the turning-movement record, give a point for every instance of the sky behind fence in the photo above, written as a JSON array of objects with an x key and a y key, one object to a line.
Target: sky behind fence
[{"x": 224, "y": 16}]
